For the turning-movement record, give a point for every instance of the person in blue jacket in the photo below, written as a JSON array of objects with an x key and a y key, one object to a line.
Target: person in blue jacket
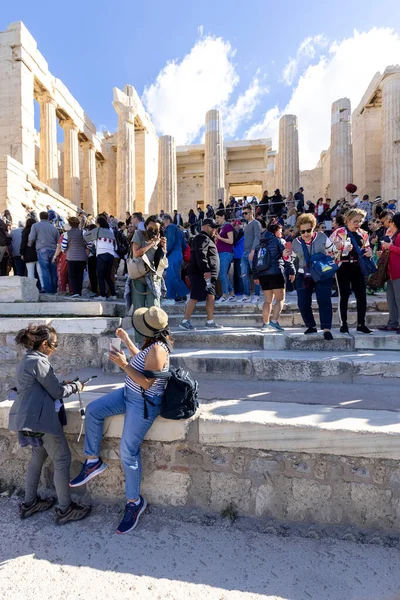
[
  {"x": 176, "y": 244},
  {"x": 268, "y": 270}
]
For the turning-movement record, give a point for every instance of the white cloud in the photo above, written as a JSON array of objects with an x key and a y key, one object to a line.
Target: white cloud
[
  {"x": 267, "y": 128},
  {"x": 204, "y": 79},
  {"x": 345, "y": 70},
  {"x": 242, "y": 110},
  {"x": 306, "y": 51}
]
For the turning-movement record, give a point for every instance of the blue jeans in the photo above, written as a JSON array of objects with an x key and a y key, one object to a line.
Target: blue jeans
[
  {"x": 246, "y": 273},
  {"x": 305, "y": 287},
  {"x": 176, "y": 287},
  {"x": 49, "y": 269},
  {"x": 136, "y": 426},
  {"x": 225, "y": 259}
]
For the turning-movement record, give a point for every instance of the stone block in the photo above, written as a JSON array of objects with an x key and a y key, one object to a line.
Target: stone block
[
  {"x": 166, "y": 487},
  {"x": 271, "y": 498},
  {"x": 372, "y": 505},
  {"x": 310, "y": 501},
  {"x": 18, "y": 289},
  {"x": 263, "y": 468},
  {"x": 226, "y": 489}
]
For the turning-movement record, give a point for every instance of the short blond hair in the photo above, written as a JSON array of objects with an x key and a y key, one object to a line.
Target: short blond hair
[
  {"x": 306, "y": 218},
  {"x": 354, "y": 212}
]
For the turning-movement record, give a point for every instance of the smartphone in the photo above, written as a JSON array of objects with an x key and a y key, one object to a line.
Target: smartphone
[
  {"x": 288, "y": 246},
  {"x": 115, "y": 344}
]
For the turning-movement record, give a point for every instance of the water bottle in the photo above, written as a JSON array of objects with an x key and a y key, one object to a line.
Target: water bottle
[{"x": 346, "y": 247}]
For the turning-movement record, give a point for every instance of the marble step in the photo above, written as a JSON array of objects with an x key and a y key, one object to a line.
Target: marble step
[
  {"x": 374, "y": 304},
  {"x": 254, "y": 319},
  {"x": 64, "y": 325},
  {"x": 66, "y": 308},
  {"x": 290, "y": 365},
  {"x": 291, "y": 339}
]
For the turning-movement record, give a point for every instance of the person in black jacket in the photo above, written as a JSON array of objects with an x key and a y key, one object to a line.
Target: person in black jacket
[
  {"x": 203, "y": 274},
  {"x": 5, "y": 242}
]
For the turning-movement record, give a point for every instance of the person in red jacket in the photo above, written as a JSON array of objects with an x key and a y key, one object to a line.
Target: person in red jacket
[{"x": 393, "y": 284}]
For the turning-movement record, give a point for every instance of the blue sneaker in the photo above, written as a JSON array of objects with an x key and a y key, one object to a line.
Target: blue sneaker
[
  {"x": 131, "y": 516},
  {"x": 276, "y": 326},
  {"x": 87, "y": 473}
]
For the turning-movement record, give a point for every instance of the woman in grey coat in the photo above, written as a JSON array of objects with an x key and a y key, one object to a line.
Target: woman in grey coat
[{"x": 38, "y": 414}]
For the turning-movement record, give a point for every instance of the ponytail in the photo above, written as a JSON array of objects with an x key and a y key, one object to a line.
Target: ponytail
[{"x": 33, "y": 336}]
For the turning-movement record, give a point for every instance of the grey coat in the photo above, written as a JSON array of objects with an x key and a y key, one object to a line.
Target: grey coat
[{"x": 37, "y": 389}]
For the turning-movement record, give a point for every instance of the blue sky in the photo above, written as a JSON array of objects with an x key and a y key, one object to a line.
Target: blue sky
[{"x": 227, "y": 53}]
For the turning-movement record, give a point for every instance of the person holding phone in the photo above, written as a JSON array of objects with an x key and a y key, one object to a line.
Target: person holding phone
[
  {"x": 38, "y": 415},
  {"x": 268, "y": 269},
  {"x": 391, "y": 244},
  {"x": 148, "y": 290},
  {"x": 308, "y": 243},
  {"x": 349, "y": 276}
]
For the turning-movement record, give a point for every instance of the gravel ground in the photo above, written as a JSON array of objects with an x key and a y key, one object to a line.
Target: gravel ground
[{"x": 182, "y": 556}]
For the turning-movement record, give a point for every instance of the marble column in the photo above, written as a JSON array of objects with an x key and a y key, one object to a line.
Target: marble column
[
  {"x": 48, "y": 156},
  {"x": 125, "y": 106},
  {"x": 214, "y": 167},
  {"x": 167, "y": 192},
  {"x": 288, "y": 179},
  {"x": 72, "y": 182},
  {"x": 89, "y": 179},
  {"x": 341, "y": 152},
  {"x": 390, "y": 176}
]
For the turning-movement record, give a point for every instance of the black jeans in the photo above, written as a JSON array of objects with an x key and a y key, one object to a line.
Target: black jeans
[
  {"x": 92, "y": 270},
  {"x": 19, "y": 266},
  {"x": 349, "y": 277},
  {"x": 305, "y": 286},
  {"x": 104, "y": 268},
  {"x": 75, "y": 275}
]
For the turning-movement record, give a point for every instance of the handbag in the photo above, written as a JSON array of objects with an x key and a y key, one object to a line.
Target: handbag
[
  {"x": 320, "y": 265},
  {"x": 367, "y": 265},
  {"x": 137, "y": 267}
]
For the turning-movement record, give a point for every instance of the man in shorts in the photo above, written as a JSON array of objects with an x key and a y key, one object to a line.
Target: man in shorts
[{"x": 203, "y": 274}]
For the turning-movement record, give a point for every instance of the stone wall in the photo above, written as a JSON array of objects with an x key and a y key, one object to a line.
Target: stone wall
[{"x": 293, "y": 487}]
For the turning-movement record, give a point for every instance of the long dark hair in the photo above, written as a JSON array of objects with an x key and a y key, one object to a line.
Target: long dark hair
[
  {"x": 164, "y": 337},
  {"x": 33, "y": 336},
  {"x": 29, "y": 222}
]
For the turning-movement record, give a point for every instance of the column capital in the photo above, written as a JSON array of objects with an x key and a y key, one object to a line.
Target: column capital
[
  {"x": 69, "y": 124},
  {"x": 390, "y": 74},
  {"x": 126, "y": 113},
  {"x": 45, "y": 97},
  {"x": 87, "y": 145}
]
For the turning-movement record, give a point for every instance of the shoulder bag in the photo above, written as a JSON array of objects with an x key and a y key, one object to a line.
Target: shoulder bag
[
  {"x": 367, "y": 265},
  {"x": 320, "y": 265}
]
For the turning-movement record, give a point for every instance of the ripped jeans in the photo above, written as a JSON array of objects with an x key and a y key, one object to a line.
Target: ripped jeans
[{"x": 136, "y": 426}]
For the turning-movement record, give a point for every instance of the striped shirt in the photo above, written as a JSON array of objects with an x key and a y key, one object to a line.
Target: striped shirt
[{"x": 137, "y": 362}]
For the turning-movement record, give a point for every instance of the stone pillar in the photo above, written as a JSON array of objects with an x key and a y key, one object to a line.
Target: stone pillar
[
  {"x": 125, "y": 106},
  {"x": 341, "y": 154},
  {"x": 288, "y": 179},
  {"x": 167, "y": 194},
  {"x": 72, "y": 182},
  {"x": 89, "y": 179},
  {"x": 48, "y": 157},
  {"x": 391, "y": 134},
  {"x": 214, "y": 168}
]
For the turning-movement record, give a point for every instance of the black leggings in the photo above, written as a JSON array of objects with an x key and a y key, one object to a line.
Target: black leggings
[
  {"x": 104, "y": 268},
  {"x": 350, "y": 278},
  {"x": 76, "y": 269}
]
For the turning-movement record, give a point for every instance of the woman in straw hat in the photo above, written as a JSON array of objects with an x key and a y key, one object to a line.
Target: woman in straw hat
[{"x": 152, "y": 324}]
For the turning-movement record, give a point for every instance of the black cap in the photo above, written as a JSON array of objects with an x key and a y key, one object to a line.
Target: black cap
[{"x": 210, "y": 223}]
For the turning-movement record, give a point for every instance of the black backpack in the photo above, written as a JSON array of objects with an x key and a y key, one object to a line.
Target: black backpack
[
  {"x": 121, "y": 244},
  {"x": 262, "y": 260},
  {"x": 180, "y": 396}
]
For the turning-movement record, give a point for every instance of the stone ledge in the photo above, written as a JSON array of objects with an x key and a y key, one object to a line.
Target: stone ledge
[
  {"x": 70, "y": 325},
  {"x": 77, "y": 308},
  {"x": 266, "y": 426}
]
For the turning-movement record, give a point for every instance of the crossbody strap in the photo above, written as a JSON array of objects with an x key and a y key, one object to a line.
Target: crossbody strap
[
  {"x": 355, "y": 244},
  {"x": 306, "y": 251}
]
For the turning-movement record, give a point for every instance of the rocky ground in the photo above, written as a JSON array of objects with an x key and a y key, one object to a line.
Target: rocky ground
[{"x": 180, "y": 555}]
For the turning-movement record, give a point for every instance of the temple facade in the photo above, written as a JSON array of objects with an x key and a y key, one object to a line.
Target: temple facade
[{"x": 50, "y": 153}]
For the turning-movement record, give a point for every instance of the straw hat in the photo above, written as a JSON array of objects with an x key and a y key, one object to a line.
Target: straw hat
[{"x": 149, "y": 322}]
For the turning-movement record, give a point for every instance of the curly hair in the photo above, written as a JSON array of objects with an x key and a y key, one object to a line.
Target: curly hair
[{"x": 306, "y": 218}]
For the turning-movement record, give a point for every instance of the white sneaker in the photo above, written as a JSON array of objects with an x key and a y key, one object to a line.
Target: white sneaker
[
  {"x": 101, "y": 298},
  {"x": 255, "y": 299},
  {"x": 232, "y": 299},
  {"x": 168, "y": 302},
  {"x": 245, "y": 299},
  {"x": 221, "y": 300}
]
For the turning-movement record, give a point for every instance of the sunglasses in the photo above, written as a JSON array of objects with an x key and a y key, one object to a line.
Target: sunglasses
[
  {"x": 52, "y": 345},
  {"x": 246, "y": 213},
  {"x": 302, "y": 231}
]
